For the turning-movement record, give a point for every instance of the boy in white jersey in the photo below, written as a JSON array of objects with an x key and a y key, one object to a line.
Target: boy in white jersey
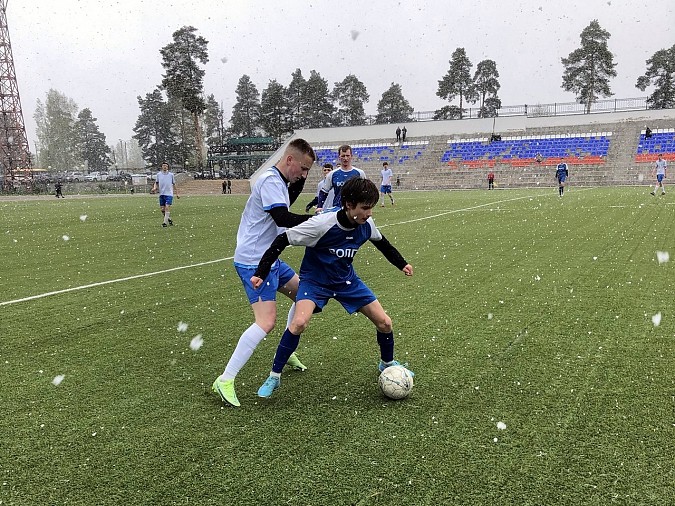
[
  {"x": 385, "y": 186},
  {"x": 166, "y": 184},
  {"x": 266, "y": 215},
  {"x": 327, "y": 167},
  {"x": 338, "y": 177},
  {"x": 331, "y": 241},
  {"x": 660, "y": 168}
]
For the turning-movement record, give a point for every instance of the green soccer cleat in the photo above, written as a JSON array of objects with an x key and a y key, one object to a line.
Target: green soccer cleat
[
  {"x": 225, "y": 388},
  {"x": 383, "y": 365},
  {"x": 270, "y": 385},
  {"x": 295, "y": 363}
]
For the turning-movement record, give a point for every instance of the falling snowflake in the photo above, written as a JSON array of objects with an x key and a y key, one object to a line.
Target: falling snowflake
[
  {"x": 182, "y": 327},
  {"x": 57, "y": 380},
  {"x": 354, "y": 34},
  {"x": 662, "y": 256},
  {"x": 501, "y": 425},
  {"x": 489, "y": 316},
  {"x": 656, "y": 319},
  {"x": 223, "y": 59},
  {"x": 196, "y": 342},
  {"x": 65, "y": 238},
  {"x": 83, "y": 217}
]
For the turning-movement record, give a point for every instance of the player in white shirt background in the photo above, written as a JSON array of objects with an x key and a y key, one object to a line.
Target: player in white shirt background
[{"x": 385, "y": 185}]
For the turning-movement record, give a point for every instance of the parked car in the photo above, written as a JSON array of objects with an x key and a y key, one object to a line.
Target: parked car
[{"x": 75, "y": 177}]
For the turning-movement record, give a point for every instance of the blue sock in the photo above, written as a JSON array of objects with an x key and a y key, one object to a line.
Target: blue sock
[
  {"x": 287, "y": 345},
  {"x": 386, "y": 342}
]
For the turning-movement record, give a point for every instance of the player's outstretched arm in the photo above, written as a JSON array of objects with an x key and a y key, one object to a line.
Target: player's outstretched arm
[{"x": 392, "y": 254}]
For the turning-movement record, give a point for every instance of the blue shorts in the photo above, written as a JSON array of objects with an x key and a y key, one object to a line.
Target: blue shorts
[
  {"x": 561, "y": 179},
  {"x": 352, "y": 296},
  {"x": 385, "y": 188},
  {"x": 165, "y": 200},
  {"x": 280, "y": 274},
  {"x": 659, "y": 177}
]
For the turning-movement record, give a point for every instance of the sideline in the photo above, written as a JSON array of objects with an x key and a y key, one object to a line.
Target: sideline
[{"x": 148, "y": 274}]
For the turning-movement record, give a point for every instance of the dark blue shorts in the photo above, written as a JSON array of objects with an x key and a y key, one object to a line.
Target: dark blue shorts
[
  {"x": 353, "y": 295},
  {"x": 385, "y": 188},
  {"x": 165, "y": 200},
  {"x": 659, "y": 177}
]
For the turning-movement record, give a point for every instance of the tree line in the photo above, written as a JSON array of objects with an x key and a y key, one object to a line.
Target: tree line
[{"x": 176, "y": 121}]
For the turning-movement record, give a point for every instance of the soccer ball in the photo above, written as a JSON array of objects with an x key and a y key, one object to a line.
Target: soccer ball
[{"x": 396, "y": 382}]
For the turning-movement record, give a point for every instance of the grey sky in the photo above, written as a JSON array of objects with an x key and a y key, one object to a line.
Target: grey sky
[{"x": 104, "y": 53}]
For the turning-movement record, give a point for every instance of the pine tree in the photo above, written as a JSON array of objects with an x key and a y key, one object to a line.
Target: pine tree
[
  {"x": 393, "y": 107},
  {"x": 661, "y": 73},
  {"x": 56, "y": 135},
  {"x": 350, "y": 95},
  {"x": 245, "y": 118},
  {"x": 214, "y": 122},
  {"x": 154, "y": 132},
  {"x": 91, "y": 142},
  {"x": 319, "y": 110},
  {"x": 588, "y": 69},
  {"x": 486, "y": 85},
  {"x": 184, "y": 77},
  {"x": 456, "y": 83},
  {"x": 274, "y": 111},
  {"x": 296, "y": 98}
]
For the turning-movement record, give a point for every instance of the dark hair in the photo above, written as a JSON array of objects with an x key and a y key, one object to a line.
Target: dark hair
[
  {"x": 385, "y": 163},
  {"x": 344, "y": 147},
  {"x": 327, "y": 165},
  {"x": 303, "y": 147},
  {"x": 359, "y": 191}
]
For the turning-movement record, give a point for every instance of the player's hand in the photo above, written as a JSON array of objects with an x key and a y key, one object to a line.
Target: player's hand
[
  {"x": 318, "y": 210},
  {"x": 408, "y": 270},
  {"x": 256, "y": 282},
  {"x": 152, "y": 191}
]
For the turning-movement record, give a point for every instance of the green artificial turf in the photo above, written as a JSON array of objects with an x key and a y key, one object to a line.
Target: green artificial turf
[{"x": 525, "y": 308}]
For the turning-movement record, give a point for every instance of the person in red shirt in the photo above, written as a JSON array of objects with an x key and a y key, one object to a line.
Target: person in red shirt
[{"x": 491, "y": 181}]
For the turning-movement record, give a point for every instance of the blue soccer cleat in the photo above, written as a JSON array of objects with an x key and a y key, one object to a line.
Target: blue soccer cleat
[
  {"x": 270, "y": 385},
  {"x": 383, "y": 365}
]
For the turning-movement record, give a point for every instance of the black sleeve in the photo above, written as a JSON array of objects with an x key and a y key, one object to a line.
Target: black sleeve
[
  {"x": 295, "y": 189},
  {"x": 390, "y": 253},
  {"x": 284, "y": 218},
  {"x": 322, "y": 198},
  {"x": 270, "y": 256}
]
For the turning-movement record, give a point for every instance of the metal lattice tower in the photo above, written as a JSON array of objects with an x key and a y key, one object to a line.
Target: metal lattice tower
[{"x": 15, "y": 159}]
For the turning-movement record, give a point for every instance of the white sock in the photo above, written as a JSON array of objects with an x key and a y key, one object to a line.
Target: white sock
[
  {"x": 166, "y": 216},
  {"x": 291, "y": 312},
  {"x": 247, "y": 343}
]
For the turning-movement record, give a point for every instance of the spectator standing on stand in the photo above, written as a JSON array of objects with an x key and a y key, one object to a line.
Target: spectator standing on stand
[
  {"x": 491, "y": 181},
  {"x": 398, "y": 134},
  {"x": 404, "y": 132}
]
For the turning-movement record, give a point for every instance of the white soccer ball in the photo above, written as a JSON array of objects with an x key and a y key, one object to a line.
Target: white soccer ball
[{"x": 396, "y": 382}]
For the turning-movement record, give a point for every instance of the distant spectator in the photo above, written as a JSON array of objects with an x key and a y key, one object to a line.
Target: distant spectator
[
  {"x": 59, "y": 187},
  {"x": 398, "y": 134},
  {"x": 224, "y": 186},
  {"x": 404, "y": 132},
  {"x": 491, "y": 181},
  {"x": 539, "y": 158},
  {"x": 398, "y": 181},
  {"x": 229, "y": 186}
]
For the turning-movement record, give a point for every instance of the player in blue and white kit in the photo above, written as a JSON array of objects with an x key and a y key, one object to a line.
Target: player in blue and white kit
[
  {"x": 338, "y": 177},
  {"x": 561, "y": 174},
  {"x": 165, "y": 183},
  {"x": 331, "y": 241},
  {"x": 660, "y": 168},
  {"x": 327, "y": 167},
  {"x": 385, "y": 186},
  {"x": 265, "y": 216}
]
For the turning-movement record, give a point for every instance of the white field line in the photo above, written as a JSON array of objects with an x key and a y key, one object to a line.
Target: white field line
[{"x": 148, "y": 274}]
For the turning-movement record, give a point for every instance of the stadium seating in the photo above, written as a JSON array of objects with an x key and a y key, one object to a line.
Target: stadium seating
[
  {"x": 661, "y": 141},
  {"x": 519, "y": 151},
  {"x": 375, "y": 154}
]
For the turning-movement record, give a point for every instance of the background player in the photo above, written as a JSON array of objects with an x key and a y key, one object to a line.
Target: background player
[
  {"x": 660, "y": 168},
  {"x": 327, "y": 167},
  {"x": 166, "y": 184},
  {"x": 561, "y": 174},
  {"x": 338, "y": 177},
  {"x": 265, "y": 216},
  {"x": 385, "y": 186},
  {"x": 331, "y": 241}
]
